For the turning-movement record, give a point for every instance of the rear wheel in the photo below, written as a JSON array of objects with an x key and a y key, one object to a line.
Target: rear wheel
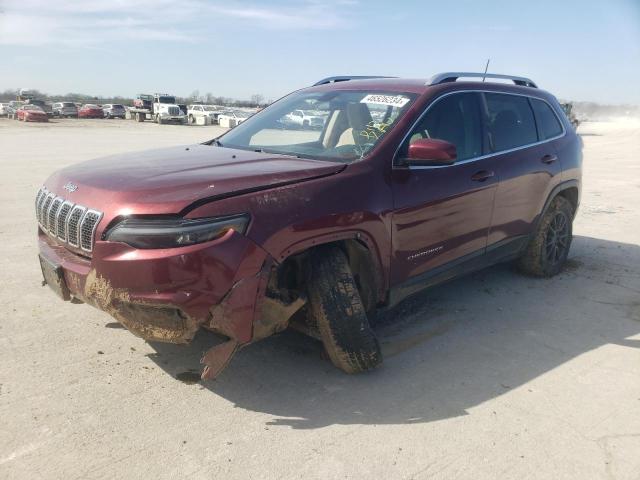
[
  {"x": 337, "y": 310},
  {"x": 547, "y": 251},
  {"x": 192, "y": 120}
]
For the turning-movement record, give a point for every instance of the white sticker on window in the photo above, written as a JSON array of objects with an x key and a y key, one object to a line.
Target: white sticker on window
[{"x": 392, "y": 100}]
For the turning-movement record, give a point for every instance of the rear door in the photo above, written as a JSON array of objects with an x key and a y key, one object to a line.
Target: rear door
[
  {"x": 443, "y": 213},
  {"x": 525, "y": 160}
]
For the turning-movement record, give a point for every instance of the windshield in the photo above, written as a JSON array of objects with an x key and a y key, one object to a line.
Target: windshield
[
  {"x": 209, "y": 109},
  {"x": 68, "y": 104},
  {"x": 34, "y": 108},
  {"x": 90, "y": 106},
  {"x": 340, "y": 125},
  {"x": 163, "y": 99}
]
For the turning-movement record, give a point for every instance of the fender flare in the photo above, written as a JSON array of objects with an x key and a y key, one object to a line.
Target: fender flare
[
  {"x": 360, "y": 236},
  {"x": 554, "y": 192}
]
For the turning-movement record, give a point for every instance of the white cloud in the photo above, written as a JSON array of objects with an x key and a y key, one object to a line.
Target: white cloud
[{"x": 89, "y": 23}]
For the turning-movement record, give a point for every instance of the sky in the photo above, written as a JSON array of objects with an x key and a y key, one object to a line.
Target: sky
[{"x": 577, "y": 49}]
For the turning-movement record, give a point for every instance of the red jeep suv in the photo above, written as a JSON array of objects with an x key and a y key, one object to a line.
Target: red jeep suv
[{"x": 403, "y": 185}]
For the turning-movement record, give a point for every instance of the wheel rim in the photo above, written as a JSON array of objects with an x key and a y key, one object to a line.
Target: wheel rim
[{"x": 557, "y": 238}]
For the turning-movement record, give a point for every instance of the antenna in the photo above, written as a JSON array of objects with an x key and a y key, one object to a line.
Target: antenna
[{"x": 486, "y": 67}]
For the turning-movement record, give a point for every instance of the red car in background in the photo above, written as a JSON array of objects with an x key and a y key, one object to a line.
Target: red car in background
[
  {"x": 31, "y": 113},
  {"x": 90, "y": 111}
]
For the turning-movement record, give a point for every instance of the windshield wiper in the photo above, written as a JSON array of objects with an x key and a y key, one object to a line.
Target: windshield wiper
[{"x": 262, "y": 150}]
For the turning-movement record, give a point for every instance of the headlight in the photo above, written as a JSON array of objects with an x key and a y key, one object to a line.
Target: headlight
[{"x": 174, "y": 232}]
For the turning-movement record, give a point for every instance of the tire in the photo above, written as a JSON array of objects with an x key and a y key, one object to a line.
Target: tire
[
  {"x": 547, "y": 251},
  {"x": 305, "y": 124},
  {"x": 336, "y": 308},
  {"x": 158, "y": 119},
  {"x": 191, "y": 120}
]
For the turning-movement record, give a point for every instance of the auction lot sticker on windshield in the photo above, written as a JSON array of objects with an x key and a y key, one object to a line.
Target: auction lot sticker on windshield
[{"x": 392, "y": 100}]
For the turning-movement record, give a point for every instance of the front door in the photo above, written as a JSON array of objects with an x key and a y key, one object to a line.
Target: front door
[{"x": 443, "y": 213}]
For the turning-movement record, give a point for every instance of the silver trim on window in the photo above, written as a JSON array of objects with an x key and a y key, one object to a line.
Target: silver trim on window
[{"x": 482, "y": 157}]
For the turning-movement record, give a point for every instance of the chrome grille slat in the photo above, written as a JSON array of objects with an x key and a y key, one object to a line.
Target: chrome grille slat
[
  {"x": 73, "y": 224},
  {"x": 88, "y": 229},
  {"x": 45, "y": 210},
  {"x": 38, "y": 198},
  {"x": 61, "y": 221},
  {"x": 53, "y": 214},
  {"x": 43, "y": 197}
]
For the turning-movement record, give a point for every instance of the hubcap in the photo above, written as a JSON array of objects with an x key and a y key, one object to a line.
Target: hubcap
[{"x": 557, "y": 239}]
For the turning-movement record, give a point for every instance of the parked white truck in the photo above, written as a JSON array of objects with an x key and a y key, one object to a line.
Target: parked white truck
[{"x": 159, "y": 107}]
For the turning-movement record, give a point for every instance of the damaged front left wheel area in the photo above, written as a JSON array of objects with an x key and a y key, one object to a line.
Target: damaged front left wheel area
[{"x": 337, "y": 309}]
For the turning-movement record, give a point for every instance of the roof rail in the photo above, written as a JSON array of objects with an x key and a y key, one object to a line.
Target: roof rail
[
  {"x": 453, "y": 76},
  {"x": 345, "y": 78}
]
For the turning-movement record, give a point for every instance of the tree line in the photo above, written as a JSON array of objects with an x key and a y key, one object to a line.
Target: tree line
[{"x": 257, "y": 100}]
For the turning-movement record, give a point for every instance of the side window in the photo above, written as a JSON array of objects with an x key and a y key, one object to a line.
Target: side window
[
  {"x": 511, "y": 122},
  {"x": 548, "y": 124},
  {"x": 455, "y": 119}
]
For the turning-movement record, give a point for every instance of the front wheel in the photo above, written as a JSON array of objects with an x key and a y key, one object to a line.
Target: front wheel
[
  {"x": 338, "y": 311},
  {"x": 548, "y": 249}
]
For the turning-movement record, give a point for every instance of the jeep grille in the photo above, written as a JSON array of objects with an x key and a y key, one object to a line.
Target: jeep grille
[{"x": 73, "y": 224}]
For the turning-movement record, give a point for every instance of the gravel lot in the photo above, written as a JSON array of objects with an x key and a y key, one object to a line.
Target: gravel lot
[{"x": 491, "y": 376}]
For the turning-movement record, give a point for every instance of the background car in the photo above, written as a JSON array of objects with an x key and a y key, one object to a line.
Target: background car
[
  {"x": 31, "y": 113},
  {"x": 4, "y": 109},
  {"x": 231, "y": 118},
  {"x": 195, "y": 111},
  {"x": 46, "y": 107},
  {"x": 90, "y": 111},
  {"x": 64, "y": 109},
  {"x": 114, "y": 110},
  {"x": 303, "y": 119}
]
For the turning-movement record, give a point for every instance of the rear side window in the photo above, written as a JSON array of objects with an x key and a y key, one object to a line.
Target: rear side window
[
  {"x": 548, "y": 124},
  {"x": 511, "y": 122},
  {"x": 456, "y": 119}
]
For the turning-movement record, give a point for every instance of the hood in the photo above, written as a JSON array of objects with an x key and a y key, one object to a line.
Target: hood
[{"x": 170, "y": 179}]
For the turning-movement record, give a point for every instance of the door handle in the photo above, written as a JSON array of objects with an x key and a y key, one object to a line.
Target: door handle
[
  {"x": 549, "y": 159},
  {"x": 482, "y": 175}
]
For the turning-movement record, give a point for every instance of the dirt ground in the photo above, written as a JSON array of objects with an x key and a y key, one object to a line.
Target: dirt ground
[{"x": 491, "y": 376}]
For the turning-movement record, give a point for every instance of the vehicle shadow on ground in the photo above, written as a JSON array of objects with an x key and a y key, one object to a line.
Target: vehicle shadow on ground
[{"x": 446, "y": 351}]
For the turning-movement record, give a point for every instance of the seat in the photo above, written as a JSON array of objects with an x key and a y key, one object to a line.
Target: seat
[{"x": 359, "y": 117}]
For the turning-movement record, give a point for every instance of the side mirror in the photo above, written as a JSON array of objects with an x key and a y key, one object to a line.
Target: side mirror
[{"x": 430, "y": 152}]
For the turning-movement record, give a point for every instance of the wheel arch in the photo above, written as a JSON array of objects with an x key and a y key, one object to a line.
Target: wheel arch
[
  {"x": 364, "y": 261},
  {"x": 569, "y": 190}
]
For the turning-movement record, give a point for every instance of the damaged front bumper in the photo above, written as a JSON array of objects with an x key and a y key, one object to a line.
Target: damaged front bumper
[{"x": 166, "y": 295}]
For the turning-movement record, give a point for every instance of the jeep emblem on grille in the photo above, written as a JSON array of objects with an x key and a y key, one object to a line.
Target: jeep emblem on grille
[{"x": 70, "y": 187}]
